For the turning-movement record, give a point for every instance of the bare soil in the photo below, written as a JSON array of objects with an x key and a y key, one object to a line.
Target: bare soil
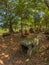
[{"x": 10, "y": 51}]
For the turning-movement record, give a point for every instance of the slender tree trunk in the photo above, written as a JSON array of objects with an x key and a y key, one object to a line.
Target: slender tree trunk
[
  {"x": 21, "y": 28},
  {"x": 40, "y": 26},
  {"x": 10, "y": 27},
  {"x": 46, "y": 24},
  {"x": 35, "y": 24}
]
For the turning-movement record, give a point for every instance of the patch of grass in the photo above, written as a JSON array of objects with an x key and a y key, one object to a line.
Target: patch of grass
[{"x": 3, "y": 31}]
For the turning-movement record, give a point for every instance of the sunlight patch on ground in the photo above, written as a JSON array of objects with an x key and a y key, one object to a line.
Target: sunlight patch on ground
[
  {"x": 1, "y": 62},
  {"x": 4, "y": 46},
  {"x": 5, "y": 55},
  {"x": 19, "y": 61},
  {"x": 27, "y": 60}
]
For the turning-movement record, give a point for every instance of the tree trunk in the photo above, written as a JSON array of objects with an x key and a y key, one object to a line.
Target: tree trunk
[
  {"x": 46, "y": 24},
  {"x": 40, "y": 26},
  {"x": 10, "y": 27},
  {"x": 35, "y": 24},
  {"x": 21, "y": 28}
]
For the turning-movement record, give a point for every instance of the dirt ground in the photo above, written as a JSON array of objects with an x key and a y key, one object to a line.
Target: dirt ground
[{"x": 10, "y": 51}]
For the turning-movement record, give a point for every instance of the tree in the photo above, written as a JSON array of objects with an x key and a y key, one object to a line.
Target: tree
[
  {"x": 9, "y": 16},
  {"x": 24, "y": 10},
  {"x": 46, "y": 18}
]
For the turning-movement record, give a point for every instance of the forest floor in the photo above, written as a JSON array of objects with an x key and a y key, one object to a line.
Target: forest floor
[{"x": 10, "y": 51}]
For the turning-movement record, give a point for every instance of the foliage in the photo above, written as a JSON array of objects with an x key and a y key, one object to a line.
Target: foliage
[{"x": 24, "y": 13}]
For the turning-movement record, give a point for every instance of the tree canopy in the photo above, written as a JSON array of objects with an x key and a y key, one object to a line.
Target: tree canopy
[{"x": 15, "y": 13}]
